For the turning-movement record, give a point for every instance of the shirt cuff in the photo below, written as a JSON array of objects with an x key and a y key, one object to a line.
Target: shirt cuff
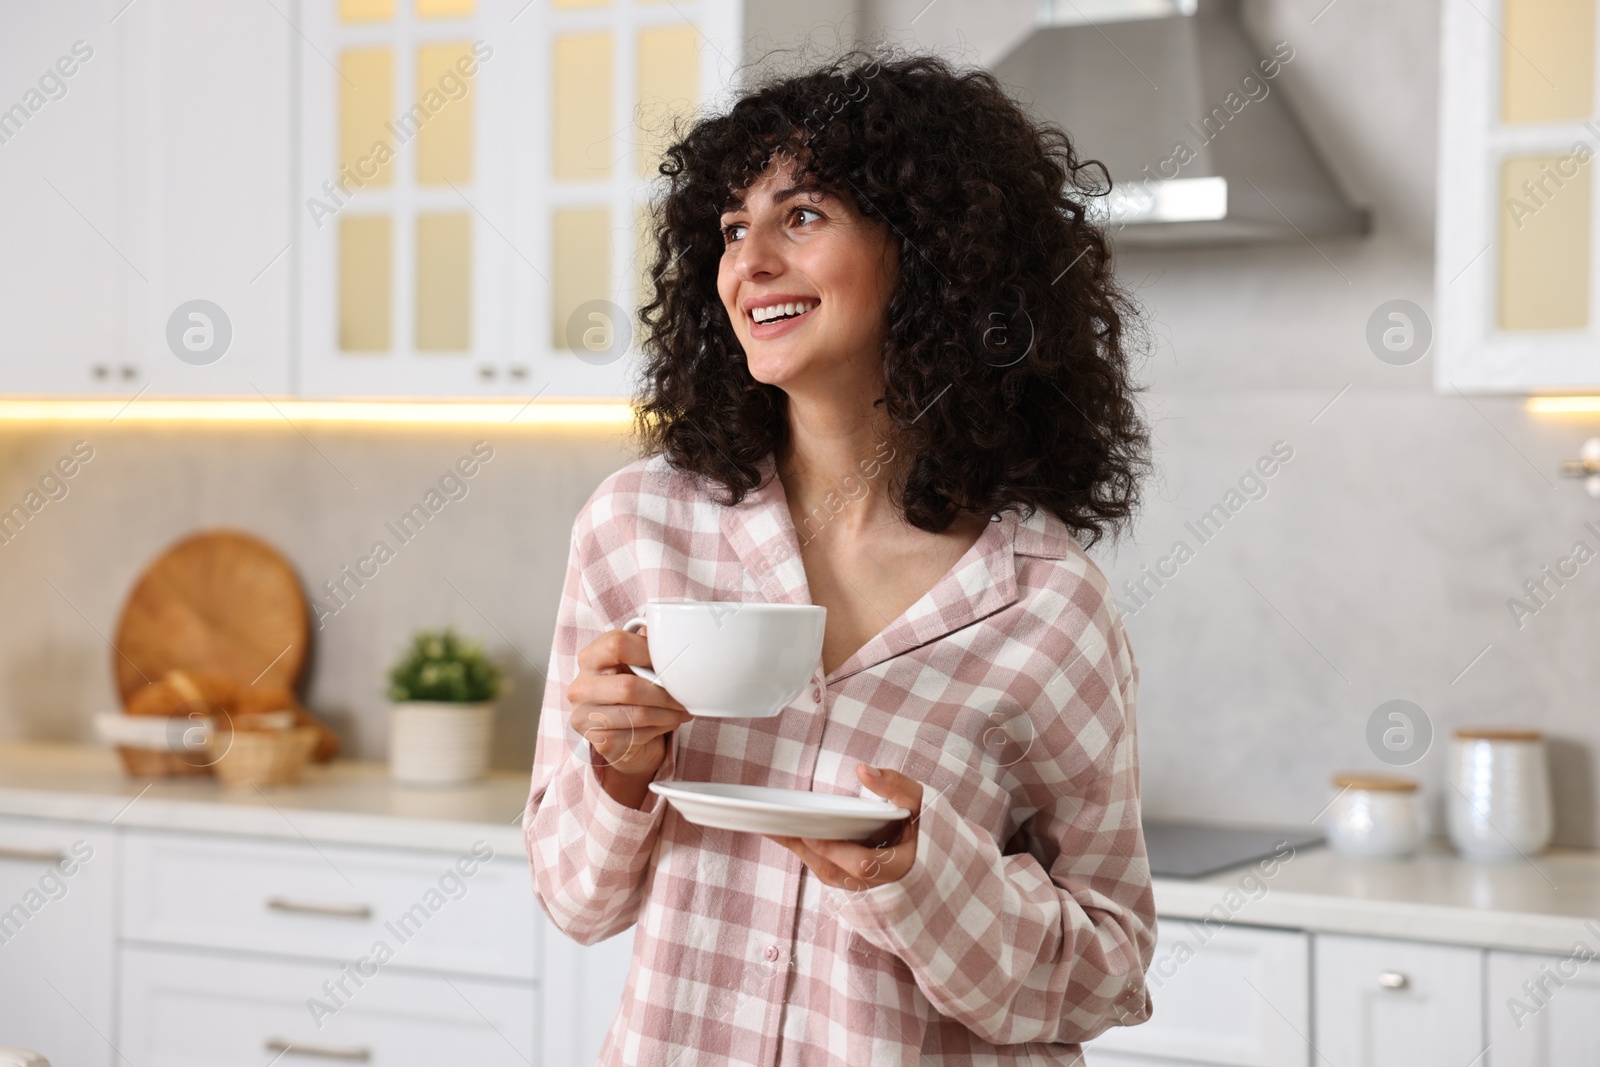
[{"x": 901, "y": 916}]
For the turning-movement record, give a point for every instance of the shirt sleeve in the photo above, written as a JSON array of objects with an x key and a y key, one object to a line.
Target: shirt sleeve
[
  {"x": 588, "y": 852},
  {"x": 1021, "y": 949}
]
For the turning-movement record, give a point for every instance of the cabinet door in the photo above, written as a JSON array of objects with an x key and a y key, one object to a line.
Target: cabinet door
[
  {"x": 63, "y": 269},
  {"x": 473, "y": 233},
  {"x": 1234, "y": 995},
  {"x": 1384, "y": 1003},
  {"x": 207, "y": 111},
  {"x": 403, "y": 219},
  {"x": 580, "y": 1005},
  {"x": 1515, "y": 283},
  {"x": 57, "y": 943},
  {"x": 195, "y": 1009},
  {"x": 1544, "y": 1011}
]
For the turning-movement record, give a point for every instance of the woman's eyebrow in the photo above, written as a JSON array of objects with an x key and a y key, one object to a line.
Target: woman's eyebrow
[{"x": 735, "y": 202}]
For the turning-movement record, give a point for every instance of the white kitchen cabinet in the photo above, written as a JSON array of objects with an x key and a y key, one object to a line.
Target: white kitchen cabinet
[
  {"x": 454, "y": 268},
  {"x": 62, "y": 267},
  {"x": 1516, "y": 287},
  {"x": 207, "y": 111},
  {"x": 581, "y": 993},
  {"x": 162, "y": 176},
  {"x": 1387, "y": 1003},
  {"x": 464, "y": 913},
  {"x": 1544, "y": 1011},
  {"x": 57, "y": 941},
  {"x": 1235, "y": 995},
  {"x": 192, "y": 1009}
]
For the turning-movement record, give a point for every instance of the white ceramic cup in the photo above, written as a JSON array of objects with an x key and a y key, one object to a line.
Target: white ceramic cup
[{"x": 728, "y": 659}]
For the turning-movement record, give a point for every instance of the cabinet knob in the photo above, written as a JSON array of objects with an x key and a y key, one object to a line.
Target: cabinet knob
[
  {"x": 518, "y": 371},
  {"x": 100, "y": 371},
  {"x": 486, "y": 373},
  {"x": 1393, "y": 980},
  {"x": 129, "y": 371}
]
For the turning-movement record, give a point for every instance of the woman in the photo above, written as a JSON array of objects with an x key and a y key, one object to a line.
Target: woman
[{"x": 885, "y": 372}]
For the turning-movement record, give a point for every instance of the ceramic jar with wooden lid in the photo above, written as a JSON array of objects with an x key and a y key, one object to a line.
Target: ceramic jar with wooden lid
[
  {"x": 1500, "y": 805},
  {"x": 1376, "y": 815}
]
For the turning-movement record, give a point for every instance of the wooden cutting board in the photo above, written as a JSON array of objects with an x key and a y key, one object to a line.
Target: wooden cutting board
[{"x": 219, "y": 600}]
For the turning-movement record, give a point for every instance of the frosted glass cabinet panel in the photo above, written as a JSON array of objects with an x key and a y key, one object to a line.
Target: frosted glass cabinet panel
[
  {"x": 472, "y": 173},
  {"x": 1515, "y": 284}
]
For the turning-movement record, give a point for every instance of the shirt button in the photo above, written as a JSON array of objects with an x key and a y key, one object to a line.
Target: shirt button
[
  {"x": 771, "y": 953},
  {"x": 816, "y": 694}
]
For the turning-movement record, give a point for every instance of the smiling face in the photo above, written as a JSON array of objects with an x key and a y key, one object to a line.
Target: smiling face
[{"x": 806, "y": 281}]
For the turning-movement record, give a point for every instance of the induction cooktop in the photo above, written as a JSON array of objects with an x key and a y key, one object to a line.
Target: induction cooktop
[{"x": 1180, "y": 849}]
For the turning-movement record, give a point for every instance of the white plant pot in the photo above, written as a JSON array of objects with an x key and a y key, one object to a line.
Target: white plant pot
[{"x": 432, "y": 743}]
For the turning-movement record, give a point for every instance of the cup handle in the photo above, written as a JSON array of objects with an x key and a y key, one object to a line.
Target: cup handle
[{"x": 632, "y": 626}]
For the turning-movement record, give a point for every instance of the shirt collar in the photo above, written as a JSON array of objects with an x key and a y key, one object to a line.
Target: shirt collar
[{"x": 761, "y": 531}]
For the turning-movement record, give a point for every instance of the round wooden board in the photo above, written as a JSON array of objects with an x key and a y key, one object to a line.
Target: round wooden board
[{"x": 218, "y": 600}]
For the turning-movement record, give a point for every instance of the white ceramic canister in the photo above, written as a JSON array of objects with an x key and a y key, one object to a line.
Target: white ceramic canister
[
  {"x": 433, "y": 743},
  {"x": 1499, "y": 801},
  {"x": 1376, "y": 815}
]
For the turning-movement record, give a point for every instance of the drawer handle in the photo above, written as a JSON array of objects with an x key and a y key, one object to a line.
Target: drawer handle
[
  {"x": 32, "y": 855},
  {"x": 1393, "y": 980},
  {"x": 325, "y": 1052},
  {"x": 334, "y": 911}
]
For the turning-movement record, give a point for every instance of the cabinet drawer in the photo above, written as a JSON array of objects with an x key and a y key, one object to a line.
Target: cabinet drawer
[
  {"x": 1234, "y": 995},
  {"x": 1544, "y": 1011},
  {"x": 1387, "y": 1003},
  {"x": 183, "y": 1008},
  {"x": 427, "y": 910},
  {"x": 57, "y": 945}
]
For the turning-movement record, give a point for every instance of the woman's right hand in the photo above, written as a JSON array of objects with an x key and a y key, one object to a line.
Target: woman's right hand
[{"x": 624, "y": 718}]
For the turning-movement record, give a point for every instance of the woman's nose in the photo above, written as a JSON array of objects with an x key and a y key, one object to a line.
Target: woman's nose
[{"x": 759, "y": 256}]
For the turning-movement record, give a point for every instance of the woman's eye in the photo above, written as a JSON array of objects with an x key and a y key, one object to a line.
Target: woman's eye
[
  {"x": 732, "y": 232},
  {"x": 802, "y": 211}
]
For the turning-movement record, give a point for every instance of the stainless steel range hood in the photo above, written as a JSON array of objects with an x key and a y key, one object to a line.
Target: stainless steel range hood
[{"x": 1188, "y": 116}]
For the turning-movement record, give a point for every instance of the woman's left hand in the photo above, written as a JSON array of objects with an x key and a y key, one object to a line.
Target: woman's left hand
[{"x": 852, "y": 865}]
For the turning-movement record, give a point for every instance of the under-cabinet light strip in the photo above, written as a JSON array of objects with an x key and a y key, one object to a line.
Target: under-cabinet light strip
[
  {"x": 539, "y": 413},
  {"x": 1564, "y": 405}
]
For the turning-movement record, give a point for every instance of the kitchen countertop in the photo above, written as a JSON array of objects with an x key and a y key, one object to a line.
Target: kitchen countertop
[
  {"x": 1539, "y": 904},
  {"x": 1536, "y": 905},
  {"x": 344, "y": 802}
]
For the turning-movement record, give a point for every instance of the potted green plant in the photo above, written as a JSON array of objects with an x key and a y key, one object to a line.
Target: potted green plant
[{"x": 442, "y": 692}]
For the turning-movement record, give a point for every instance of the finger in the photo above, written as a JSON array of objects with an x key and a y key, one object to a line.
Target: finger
[
  {"x": 874, "y": 865},
  {"x": 892, "y": 786},
  {"x": 613, "y": 649},
  {"x": 623, "y": 688},
  {"x": 820, "y": 865},
  {"x": 620, "y": 748},
  {"x": 621, "y": 715}
]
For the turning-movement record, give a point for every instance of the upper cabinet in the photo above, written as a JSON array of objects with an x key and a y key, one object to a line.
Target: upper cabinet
[
  {"x": 146, "y": 189},
  {"x": 1515, "y": 282},
  {"x": 338, "y": 198},
  {"x": 61, "y": 274},
  {"x": 473, "y": 173}
]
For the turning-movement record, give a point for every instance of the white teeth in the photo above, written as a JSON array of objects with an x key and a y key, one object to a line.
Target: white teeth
[{"x": 778, "y": 311}]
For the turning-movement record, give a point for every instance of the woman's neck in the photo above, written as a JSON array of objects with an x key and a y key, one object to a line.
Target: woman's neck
[{"x": 838, "y": 467}]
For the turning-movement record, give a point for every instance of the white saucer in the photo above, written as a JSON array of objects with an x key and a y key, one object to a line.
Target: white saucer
[{"x": 760, "y": 809}]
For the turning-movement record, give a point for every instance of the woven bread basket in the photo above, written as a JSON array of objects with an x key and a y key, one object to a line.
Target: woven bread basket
[{"x": 264, "y": 757}]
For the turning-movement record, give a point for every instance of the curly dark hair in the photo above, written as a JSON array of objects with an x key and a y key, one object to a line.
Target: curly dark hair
[{"x": 1007, "y": 358}]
